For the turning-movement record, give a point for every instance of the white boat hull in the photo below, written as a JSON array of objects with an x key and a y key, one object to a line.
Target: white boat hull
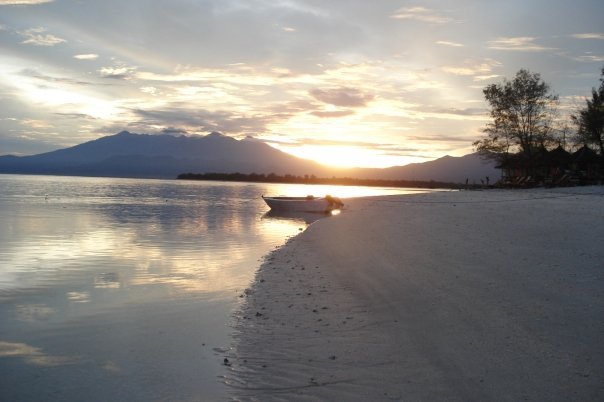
[{"x": 303, "y": 204}]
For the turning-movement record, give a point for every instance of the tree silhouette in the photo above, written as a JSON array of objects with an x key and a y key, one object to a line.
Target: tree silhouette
[
  {"x": 590, "y": 119},
  {"x": 522, "y": 112}
]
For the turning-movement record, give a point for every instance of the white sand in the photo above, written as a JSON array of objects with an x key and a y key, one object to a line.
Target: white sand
[{"x": 472, "y": 295}]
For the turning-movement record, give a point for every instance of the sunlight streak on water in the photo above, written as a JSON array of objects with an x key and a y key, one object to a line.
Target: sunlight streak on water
[{"x": 320, "y": 190}]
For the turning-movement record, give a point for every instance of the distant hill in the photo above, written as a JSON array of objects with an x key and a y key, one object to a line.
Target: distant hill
[
  {"x": 160, "y": 156},
  {"x": 449, "y": 169},
  {"x": 163, "y": 156}
]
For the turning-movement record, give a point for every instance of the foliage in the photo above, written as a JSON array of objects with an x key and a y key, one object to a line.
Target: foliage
[
  {"x": 590, "y": 120},
  {"x": 522, "y": 112}
]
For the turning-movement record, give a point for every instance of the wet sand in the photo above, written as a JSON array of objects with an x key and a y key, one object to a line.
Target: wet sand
[{"x": 472, "y": 295}]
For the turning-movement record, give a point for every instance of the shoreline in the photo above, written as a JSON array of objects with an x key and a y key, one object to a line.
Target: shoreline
[{"x": 474, "y": 295}]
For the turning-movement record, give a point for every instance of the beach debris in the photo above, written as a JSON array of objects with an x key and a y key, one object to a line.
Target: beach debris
[
  {"x": 226, "y": 362},
  {"x": 259, "y": 314},
  {"x": 332, "y": 357}
]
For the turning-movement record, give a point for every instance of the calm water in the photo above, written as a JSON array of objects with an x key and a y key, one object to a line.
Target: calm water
[{"x": 120, "y": 289}]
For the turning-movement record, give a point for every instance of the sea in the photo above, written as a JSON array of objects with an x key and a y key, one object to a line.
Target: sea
[{"x": 126, "y": 289}]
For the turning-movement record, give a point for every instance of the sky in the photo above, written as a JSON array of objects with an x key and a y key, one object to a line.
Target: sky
[{"x": 348, "y": 83}]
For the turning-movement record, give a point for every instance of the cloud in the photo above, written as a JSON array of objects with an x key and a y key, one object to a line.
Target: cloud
[
  {"x": 36, "y": 124},
  {"x": 485, "y": 77},
  {"x": 149, "y": 90},
  {"x": 35, "y": 36},
  {"x": 461, "y": 112},
  {"x": 420, "y": 14},
  {"x": 347, "y": 97},
  {"x": 447, "y": 43},
  {"x": 519, "y": 43},
  {"x": 28, "y": 72},
  {"x": 460, "y": 70},
  {"x": 332, "y": 113},
  {"x": 90, "y": 56},
  {"x": 448, "y": 113},
  {"x": 23, "y": 2},
  {"x": 589, "y": 58},
  {"x": 441, "y": 138},
  {"x": 174, "y": 131},
  {"x": 75, "y": 116},
  {"x": 593, "y": 35},
  {"x": 118, "y": 73},
  {"x": 332, "y": 143},
  {"x": 192, "y": 120},
  {"x": 472, "y": 67}
]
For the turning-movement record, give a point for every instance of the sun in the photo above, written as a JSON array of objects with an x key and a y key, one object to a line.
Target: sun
[{"x": 346, "y": 156}]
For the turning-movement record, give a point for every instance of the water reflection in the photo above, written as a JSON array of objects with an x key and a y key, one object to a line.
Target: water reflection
[
  {"x": 305, "y": 217},
  {"x": 32, "y": 355},
  {"x": 133, "y": 277},
  {"x": 107, "y": 280},
  {"x": 33, "y": 312}
]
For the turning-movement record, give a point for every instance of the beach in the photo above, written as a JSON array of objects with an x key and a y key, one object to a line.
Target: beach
[{"x": 468, "y": 295}]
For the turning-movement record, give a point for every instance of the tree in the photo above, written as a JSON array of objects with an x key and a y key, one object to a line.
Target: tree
[
  {"x": 522, "y": 112},
  {"x": 590, "y": 119}
]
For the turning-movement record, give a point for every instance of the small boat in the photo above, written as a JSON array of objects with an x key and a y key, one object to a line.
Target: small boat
[{"x": 304, "y": 204}]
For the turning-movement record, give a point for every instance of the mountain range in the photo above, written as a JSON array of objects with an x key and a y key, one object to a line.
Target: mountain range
[{"x": 164, "y": 156}]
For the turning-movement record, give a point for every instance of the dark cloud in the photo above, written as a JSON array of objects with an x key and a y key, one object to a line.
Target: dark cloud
[
  {"x": 174, "y": 131},
  {"x": 74, "y": 116},
  {"x": 346, "y": 97},
  {"x": 199, "y": 120}
]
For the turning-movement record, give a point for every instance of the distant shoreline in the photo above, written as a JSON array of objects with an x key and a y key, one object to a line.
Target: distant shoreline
[{"x": 341, "y": 181}]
